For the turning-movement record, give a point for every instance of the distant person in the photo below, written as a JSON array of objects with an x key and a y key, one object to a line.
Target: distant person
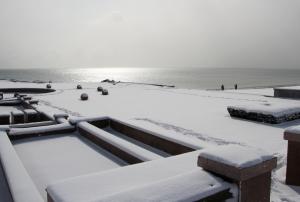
[
  {"x": 235, "y": 86},
  {"x": 222, "y": 87}
]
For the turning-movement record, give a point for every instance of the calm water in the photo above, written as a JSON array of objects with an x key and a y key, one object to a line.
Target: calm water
[{"x": 183, "y": 78}]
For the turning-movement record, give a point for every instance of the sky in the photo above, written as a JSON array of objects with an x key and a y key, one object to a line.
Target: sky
[{"x": 149, "y": 33}]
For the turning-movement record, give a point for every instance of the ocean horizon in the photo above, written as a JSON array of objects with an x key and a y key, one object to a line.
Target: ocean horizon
[{"x": 190, "y": 78}]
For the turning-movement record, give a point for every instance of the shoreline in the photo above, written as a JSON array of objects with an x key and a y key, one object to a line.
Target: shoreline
[{"x": 157, "y": 84}]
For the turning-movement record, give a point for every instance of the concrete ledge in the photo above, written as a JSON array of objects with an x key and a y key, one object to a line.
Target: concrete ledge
[
  {"x": 19, "y": 133},
  {"x": 125, "y": 150}
]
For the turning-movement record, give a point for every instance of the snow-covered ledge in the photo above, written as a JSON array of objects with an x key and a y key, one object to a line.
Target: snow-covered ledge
[
  {"x": 21, "y": 186},
  {"x": 292, "y": 134},
  {"x": 18, "y": 133},
  {"x": 249, "y": 168}
]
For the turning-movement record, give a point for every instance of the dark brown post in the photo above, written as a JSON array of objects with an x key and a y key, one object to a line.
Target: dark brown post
[
  {"x": 249, "y": 169},
  {"x": 293, "y": 156},
  {"x": 4, "y": 119},
  {"x": 17, "y": 117}
]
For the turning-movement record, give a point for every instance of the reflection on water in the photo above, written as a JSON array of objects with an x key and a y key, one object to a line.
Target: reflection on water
[{"x": 201, "y": 78}]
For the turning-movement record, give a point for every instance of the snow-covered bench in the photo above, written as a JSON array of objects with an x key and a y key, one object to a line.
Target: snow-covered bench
[
  {"x": 127, "y": 151},
  {"x": 20, "y": 184}
]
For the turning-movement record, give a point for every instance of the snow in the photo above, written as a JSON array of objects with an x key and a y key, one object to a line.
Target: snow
[
  {"x": 120, "y": 143},
  {"x": 236, "y": 156},
  {"x": 52, "y": 158},
  {"x": 164, "y": 172},
  {"x": 5, "y": 111},
  {"x": 20, "y": 183},
  {"x": 40, "y": 129},
  {"x": 75, "y": 120},
  {"x": 198, "y": 116},
  {"x": 184, "y": 187}
]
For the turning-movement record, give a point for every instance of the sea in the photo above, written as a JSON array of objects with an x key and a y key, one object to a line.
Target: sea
[{"x": 189, "y": 78}]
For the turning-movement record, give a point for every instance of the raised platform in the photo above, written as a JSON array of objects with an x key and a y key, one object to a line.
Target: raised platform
[{"x": 266, "y": 113}]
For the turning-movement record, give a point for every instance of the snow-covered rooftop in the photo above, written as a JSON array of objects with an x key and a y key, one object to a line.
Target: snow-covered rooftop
[{"x": 198, "y": 115}]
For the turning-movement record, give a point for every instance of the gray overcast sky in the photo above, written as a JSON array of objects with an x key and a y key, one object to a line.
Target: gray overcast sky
[{"x": 152, "y": 33}]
